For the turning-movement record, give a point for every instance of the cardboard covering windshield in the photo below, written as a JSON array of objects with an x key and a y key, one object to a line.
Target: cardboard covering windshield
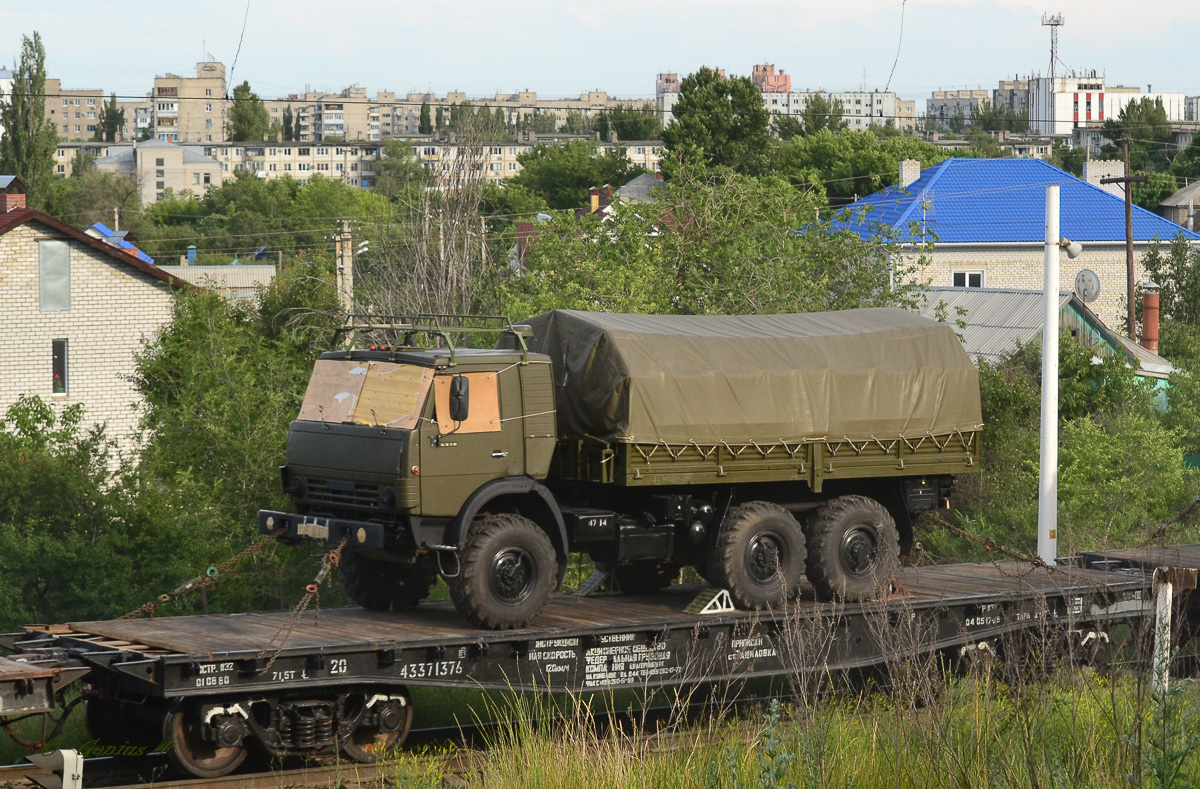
[{"x": 765, "y": 378}]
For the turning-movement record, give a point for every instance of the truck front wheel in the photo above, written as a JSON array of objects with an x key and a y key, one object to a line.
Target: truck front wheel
[
  {"x": 381, "y": 585},
  {"x": 853, "y": 549},
  {"x": 759, "y": 555},
  {"x": 506, "y": 572}
]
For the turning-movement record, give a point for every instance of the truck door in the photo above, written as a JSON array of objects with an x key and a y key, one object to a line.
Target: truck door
[{"x": 458, "y": 457}]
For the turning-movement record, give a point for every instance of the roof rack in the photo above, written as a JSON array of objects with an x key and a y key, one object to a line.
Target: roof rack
[{"x": 441, "y": 325}]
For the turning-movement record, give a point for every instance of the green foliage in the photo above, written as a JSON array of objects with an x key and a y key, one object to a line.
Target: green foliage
[
  {"x": 851, "y": 163},
  {"x": 630, "y": 122},
  {"x": 82, "y": 533},
  {"x": 787, "y": 126},
  {"x": 289, "y": 124},
  {"x": 989, "y": 118},
  {"x": 1144, "y": 123},
  {"x": 722, "y": 120},
  {"x": 398, "y": 174},
  {"x": 221, "y": 382},
  {"x": 1150, "y": 193},
  {"x": 28, "y": 145},
  {"x": 91, "y": 195},
  {"x": 112, "y": 118},
  {"x": 1187, "y": 162},
  {"x": 540, "y": 123},
  {"x": 562, "y": 175},
  {"x": 1121, "y": 469},
  {"x": 425, "y": 124},
  {"x": 249, "y": 120},
  {"x": 1176, "y": 268},
  {"x": 1063, "y": 156},
  {"x": 820, "y": 114},
  {"x": 714, "y": 242}
]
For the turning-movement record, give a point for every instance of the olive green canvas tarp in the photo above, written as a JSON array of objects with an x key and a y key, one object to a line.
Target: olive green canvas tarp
[{"x": 857, "y": 374}]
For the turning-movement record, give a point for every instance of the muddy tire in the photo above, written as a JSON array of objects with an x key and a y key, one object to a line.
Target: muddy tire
[
  {"x": 381, "y": 585},
  {"x": 853, "y": 549},
  {"x": 759, "y": 555},
  {"x": 506, "y": 572}
]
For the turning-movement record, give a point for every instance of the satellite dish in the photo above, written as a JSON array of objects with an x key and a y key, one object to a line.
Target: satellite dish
[{"x": 1087, "y": 286}]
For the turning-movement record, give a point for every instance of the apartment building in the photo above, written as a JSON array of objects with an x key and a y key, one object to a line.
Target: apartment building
[
  {"x": 74, "y": 113},
  {"x": 861, "y": 109},
  {"x": 767, "y": 81},
  {"x": 946, "y": 105},
  {"x": 159, "y": 165},
  {"x": 190, "y": 109},
  {"x": 1062, "y": 105}
]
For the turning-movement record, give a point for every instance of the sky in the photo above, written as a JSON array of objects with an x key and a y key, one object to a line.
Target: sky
[{"x": 565, "y": 47}]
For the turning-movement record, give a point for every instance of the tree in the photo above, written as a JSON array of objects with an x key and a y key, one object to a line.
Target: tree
[
  {"x": 562, "y": 175},
  {"x": 1187, "y": 162},
  {"x": 30, "y": 140},
  {"x": 990, "y": 118},
  {"x": 630, "y": 122},
  {"x": 1067, "y": 158},
  {"x": 715, "y": 242},
  {"x": 288, "y": 123},
  {"x": 1144, "y": 123},
  {"x": 110, "y": 121},
  {"x": 425, "y": 126},
  {"x": 787, "y": 126},
  {"x": 820, "y": 113},
  {"x": 540, "y": 122},
  {"x": 723, "y": 120},
  {"x": 575, "y": 123},
  {"x": 398, "y": 174},
  {"x": 249, "y": 120}
]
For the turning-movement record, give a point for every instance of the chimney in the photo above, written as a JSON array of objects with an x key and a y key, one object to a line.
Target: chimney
[
  {"x": 595, "y": 190},
  {"x": 12, "y": 194},
  {"x": 658, "y": 174},
  {"x": 910, "y": 172},
  {"x": 1150, "y": 317}
]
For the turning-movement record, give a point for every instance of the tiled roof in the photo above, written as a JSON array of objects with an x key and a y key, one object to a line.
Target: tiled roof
[{"x": 997, "y": 201}]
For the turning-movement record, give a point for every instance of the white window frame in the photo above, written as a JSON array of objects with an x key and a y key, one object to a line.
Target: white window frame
[{"x": 966, "y": 275}]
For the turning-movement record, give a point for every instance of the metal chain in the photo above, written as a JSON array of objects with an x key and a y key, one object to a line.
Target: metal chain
[
  {"x": 207, "y": 580},
  {"x": 311, "y": 593}
]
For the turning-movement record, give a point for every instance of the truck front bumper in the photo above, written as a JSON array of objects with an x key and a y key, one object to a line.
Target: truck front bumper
[{"x": 332, "y": 530}]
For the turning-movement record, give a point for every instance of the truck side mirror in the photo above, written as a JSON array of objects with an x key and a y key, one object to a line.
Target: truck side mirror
[{"x": 460, "y": 398}]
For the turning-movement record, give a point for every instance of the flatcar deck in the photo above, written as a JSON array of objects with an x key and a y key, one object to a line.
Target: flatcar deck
[{"x": 583, "y": 643}]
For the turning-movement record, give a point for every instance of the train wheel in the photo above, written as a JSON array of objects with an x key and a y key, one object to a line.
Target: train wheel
[
  {"x": 211, "y": 754},
  {"x": 384, "y": 725}
]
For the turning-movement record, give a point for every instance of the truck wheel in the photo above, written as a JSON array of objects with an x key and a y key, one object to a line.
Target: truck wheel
[
  {"x": 381, "y": 585},
  {"x": 759, "y": 555},
  {"x": 506, "y": 572},
  {"x": 643, "y": 577},
  {"x": 853, "y": 549}
]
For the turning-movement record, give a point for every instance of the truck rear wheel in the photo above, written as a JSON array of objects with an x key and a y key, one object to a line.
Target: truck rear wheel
[
  {"x": 381, "y": 585},
  {"x": 506, "y": 572},
  {"x": 853, "y": 549},
  {"x": 759, "y": 555}
]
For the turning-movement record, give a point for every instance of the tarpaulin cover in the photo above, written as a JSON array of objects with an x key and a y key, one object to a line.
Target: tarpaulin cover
[{"x": 855, "y": 374}]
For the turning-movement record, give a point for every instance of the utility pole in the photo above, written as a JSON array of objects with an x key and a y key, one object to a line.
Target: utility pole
[
  {"x": 1130, "y": 322},
  {"x": 1047, "y": 542},
  {"x": 116, "y": 219},
  {"x": 345, "y": 267}
]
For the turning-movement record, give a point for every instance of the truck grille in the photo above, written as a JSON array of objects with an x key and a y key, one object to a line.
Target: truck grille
[{"x": 339, "y": 493}]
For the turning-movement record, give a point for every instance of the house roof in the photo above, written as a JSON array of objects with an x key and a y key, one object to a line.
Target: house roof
[
  {"x": 241, "y": 281},
  {"x": 117, "y": 238},
  {"x": 998, "y": 320},
  {"x": 641, "y": 189},
  {"x": 120, "y": 154},
  {"x": 8, "y": 180},
  {"x": 1184, "y": 196},
  {"x": 998, "y": 201},
  {"x": 22, "y": 216}
]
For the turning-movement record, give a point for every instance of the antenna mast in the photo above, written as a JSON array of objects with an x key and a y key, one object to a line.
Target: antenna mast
[{"x": 1054, "y": 22}]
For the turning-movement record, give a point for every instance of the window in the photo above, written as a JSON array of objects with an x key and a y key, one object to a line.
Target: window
[
  {"x": 196, "y": 178},
  {"x": 497, "y": 151},
  {"x": 302, "y": 151},
  {"x": 62, "y": 168},
  {"x": 208, "y": 123},
  {"x": 271, "y": 166},
  {"x": 159, "y": 163},
  {"x": 287, "y": 166},
  {"x": 338, "y": 166},
  {"x": 968, "y": 279},
  {"x": 323, "y": 166},
  {"x": 58, "y": 354},
  {"x": 54, "y": 276},
  {"x": 322, "y": 152},
  {"x": 160, "y": 185},
  {"x": 207, "y": 179},
  {"x": 512, "y": 165},
  {"x": 303, "y": 166},
  {"x": 208, "y": 91},
  {"x": 66, "y": 102},
  {"x": 208, "y": 108}
]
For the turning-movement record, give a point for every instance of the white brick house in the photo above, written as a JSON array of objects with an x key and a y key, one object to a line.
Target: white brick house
[{"x": 74, "y": 311}]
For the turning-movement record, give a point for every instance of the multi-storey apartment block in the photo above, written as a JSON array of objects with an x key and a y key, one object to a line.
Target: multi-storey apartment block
[{"x": 75, "y": 114}]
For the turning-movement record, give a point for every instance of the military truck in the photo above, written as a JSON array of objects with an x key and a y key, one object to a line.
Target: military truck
[{"x": 758, "y": 449}]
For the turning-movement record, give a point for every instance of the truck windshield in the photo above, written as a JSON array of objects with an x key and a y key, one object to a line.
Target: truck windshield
[{"x": 366, "y": 393}]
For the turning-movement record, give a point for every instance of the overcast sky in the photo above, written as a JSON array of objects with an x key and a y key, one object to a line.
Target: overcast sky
[{"x": 566, "y": 47}]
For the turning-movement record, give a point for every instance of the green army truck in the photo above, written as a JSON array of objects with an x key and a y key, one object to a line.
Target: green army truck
[{"x": 757, "y": 449}]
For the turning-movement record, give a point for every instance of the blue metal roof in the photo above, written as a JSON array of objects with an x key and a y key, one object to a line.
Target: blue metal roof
[
  {"x": 996, "y": 201},
  {"x": 118, "y": 241}
]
